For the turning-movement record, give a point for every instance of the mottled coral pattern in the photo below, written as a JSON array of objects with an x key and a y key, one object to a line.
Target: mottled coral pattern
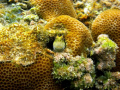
[
  {"x": 78, "y": 36},
  {"x": 48, "y": 9},
  {"x": 108, "y": 22}
]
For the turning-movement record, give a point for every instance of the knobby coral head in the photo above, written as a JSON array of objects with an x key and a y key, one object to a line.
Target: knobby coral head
[
  {"x": 78, "y": 37},
  {"x": 48, "y": 9}
]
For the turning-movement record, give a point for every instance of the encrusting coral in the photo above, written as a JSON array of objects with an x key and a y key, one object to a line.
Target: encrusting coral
[
  {"x": 105, "y": 51},
  {"x": 107, "y": 81},
  {"x": 108, "y": 22},
  {"x": 78, "y": 37},
  {"x": 49, "y": 9},
  {"x": 17, "y": 44},
  {"x": 78, "y": 70}
]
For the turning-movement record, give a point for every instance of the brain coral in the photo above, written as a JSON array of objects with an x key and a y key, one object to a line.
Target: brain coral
[
  {"x": 49, "y": 9},
  {"x": 36, "y": 76},
  {"x": 108, "y": 22},
  {"x": 18, "y": 43},
  {"x": 78, "y": 36}
]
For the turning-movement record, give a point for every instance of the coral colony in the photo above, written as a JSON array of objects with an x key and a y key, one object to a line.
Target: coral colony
[{"x": 59, "y": 44}]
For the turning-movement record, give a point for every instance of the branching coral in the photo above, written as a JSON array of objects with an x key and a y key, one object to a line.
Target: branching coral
[
  {"x": 108, "y": 22},
  {"x": 78, "y": 37},
  {"x": 48, "y": 9}
]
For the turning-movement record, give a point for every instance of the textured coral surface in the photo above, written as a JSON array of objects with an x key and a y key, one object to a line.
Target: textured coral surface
[
  {"x": 49, "y": 9},
  {"x": 17, "y": 50},
  {"x": 34, "y": 77},
  {"x": 78, "y": 36},
  {"x": 108, "y": 22}
]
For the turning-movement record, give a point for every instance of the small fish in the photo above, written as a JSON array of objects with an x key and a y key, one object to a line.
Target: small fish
[{"x": 59, "y": 44}]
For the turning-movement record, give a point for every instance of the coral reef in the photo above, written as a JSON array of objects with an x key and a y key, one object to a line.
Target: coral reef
[
  {"x": 78, "y": 70},
  {"x": 105, "y": 51},
  {"x": 18, "y": 44},
  {"x": 78, "y": 37},
  {"x": 23, "y": 62},
  {"x": 10, "y": 14},
  {"x": 44, "y": 45},
  {"x": 49, "y": 9},
  {"x": 108, "y": 22},
  {"x": 110, "y": 80},
  {"x": 87, "y": 10},
  {"x": 36, "y": 76},
  {"x": 84, "y": 73}
]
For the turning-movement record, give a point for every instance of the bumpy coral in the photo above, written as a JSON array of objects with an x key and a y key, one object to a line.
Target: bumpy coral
[
  {"x": 48, "y": 9},
  {"x": 10, "y": 14},
  {"x": 78, "y": 37},
  {"x": 105, "y": 51},
  {"x": 108, "y": 22},
  {"x": 78, "y": 70},
  {"x": 23, "y": 62},
  {"x": 18, "y": 44},
  {"x": 110, "y": 80}
]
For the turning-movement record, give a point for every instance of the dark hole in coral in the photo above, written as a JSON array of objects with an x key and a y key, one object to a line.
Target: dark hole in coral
[{"x": 50, "y": 43}]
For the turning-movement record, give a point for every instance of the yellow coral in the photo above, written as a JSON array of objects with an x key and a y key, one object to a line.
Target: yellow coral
[
  {"x": 78, "y": 36},
  {"x": 23, "y": 62},
  {"x": 33, "y": 77},
  {"x": 108, "y": 22},
  {"x": 49, "y": 9}
]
